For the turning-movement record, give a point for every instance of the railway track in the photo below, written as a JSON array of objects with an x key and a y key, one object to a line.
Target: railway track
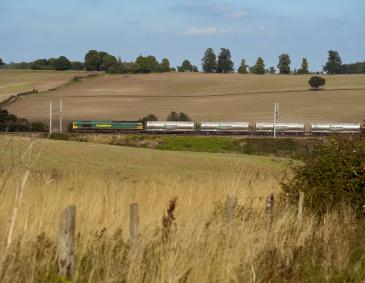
[{"x": 188, "y": 134}]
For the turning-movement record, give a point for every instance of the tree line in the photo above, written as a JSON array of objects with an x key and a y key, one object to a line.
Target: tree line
[{"x": 211, "y": 63}]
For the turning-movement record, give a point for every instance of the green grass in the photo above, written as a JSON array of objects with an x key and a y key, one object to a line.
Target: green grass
[
  {"x": 281, "y": 147},
  {"x": 129, "y": 161}
]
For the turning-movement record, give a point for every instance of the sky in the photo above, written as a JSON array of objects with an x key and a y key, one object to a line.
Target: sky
[{"x": 184, "y": 29}]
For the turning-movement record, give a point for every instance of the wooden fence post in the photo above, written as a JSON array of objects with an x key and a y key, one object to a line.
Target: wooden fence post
[
  {"x": 270, "y": 204},
  {"x": 300, "y": 207},
  {"x": 229, "y": 207},
  {"x": 66, "y": 242},
  {"x": 133, "y": 222}
]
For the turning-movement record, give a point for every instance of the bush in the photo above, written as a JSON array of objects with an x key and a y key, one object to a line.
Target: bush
[
  {"x": 333, "y": 174},
  {"x": 316, "y": 82},
  {"x": 174, "y": 116},
  {"x": 149, "y": 117},
  {"x": 39, "y": 127}
]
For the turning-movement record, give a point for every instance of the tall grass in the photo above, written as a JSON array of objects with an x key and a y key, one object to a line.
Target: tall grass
[{"x": 199, "y": 246}]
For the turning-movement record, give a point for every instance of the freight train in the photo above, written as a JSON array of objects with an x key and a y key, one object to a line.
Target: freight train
[{"x": 214, "y": 128}]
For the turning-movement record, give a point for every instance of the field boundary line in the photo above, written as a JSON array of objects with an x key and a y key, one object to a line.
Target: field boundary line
[{"x": 209, "y": 95}]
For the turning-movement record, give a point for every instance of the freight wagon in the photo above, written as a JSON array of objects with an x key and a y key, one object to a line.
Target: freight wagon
[
  {"x": 169, "y": 127},
  {"x": 224, "y": 127}
]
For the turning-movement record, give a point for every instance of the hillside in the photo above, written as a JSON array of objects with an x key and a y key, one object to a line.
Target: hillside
[
  {"x": 15, "y": 81},
  {"x": 205, "y": 97}
]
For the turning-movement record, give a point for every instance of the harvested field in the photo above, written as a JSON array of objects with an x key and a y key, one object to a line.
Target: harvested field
[
  {"x": 16, "y": 81},
  {"x": 205, "y": 97}
]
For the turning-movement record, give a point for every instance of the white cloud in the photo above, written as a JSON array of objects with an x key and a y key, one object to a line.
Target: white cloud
[
  {"x": 203, "y": 31},
  {"x": 238, "y": 14},
  {"x": 215, "y": 9}
]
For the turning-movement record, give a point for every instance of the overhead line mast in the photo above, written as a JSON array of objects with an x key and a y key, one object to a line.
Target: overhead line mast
[{"x": 276, "y": 116}]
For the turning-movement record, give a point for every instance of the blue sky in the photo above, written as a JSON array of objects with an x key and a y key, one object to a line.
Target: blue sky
[{"x": 183, "y": 29}]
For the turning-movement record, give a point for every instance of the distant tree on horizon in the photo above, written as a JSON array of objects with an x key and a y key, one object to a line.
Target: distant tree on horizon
[
  {"x": 107, "y": 61},
  {"x": 146, "y": 65},
  {"x": 92, "y": 61},
  {"x": 209, "y": 61},
  {"x": 62, "y": 64},
  {"x": 243, "y": 67},
  {"x": 334, "y": 63},
  {"x": 76, "y": 65},
  {"x": 259, "y": 67},
  {"x": 2, "y": 63},
  {"x": 165, "y": 66},
  {"x": 185, "y": 66},
  {"x": 304, "y": 67},
  {"x": 284, "y": 63},
  {"x": 225, "y": 64},
  {"x": 272, "y": 70}
]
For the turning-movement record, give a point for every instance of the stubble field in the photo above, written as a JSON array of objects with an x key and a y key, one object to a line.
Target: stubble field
[
  {"x": 212, "y": 97},
  {"x": 16, "y": 81}
]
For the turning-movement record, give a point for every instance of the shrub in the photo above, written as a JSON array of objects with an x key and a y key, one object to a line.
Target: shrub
[
  {"x": 149, "y": 117},
  {"x": 39, "y": 127},
  {"x": 174, "y": 116},
  {"x": 332, "y": 174},
  {"x": 316, "y": 82}
]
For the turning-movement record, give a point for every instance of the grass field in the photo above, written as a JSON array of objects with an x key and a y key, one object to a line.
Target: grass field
[
  {"x": 205, "y": 97},
  {"x": 16, "y": 81},
  {"x": 102, "y": 180}
]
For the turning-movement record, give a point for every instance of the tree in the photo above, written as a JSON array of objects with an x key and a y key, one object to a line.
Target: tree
[
  {"x": 225, "y": 64},
  {"x": 76, "y": 65},
  {"x": 40, "y": 64},
  {"x": 243, "y": 68},
  {"x": 185, "y": 66},
  {"x": 93, "y": 61},
  {"x": 304, "y": 67},
  {"x": 284, "y": 64},
  {"x": 259, "y": 67},
  {"x": 1, "y": 63},
  {"x": 209, "y": 61},
  {"x": 146, "y": 65},
  {"x": 174, "y": 116},
  {"x": 334, "y": 63},
  {"x": 165, "y": 65},
  {"x": 195, "y": 69},
  {"x": 62, "y": 64},
  {"x": 316, "y": 82},
  {"x": 272, "y": 70},
  {"x": 107, "y": 61}
]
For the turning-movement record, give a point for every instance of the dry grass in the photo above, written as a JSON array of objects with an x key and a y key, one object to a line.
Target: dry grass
[
  {"x": 206, "y": 97},
  {"x": 103, "y": 180},
  {"x": 16, "y": 81}
]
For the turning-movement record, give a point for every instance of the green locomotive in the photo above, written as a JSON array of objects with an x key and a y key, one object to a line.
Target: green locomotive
[{"x": 107, "y": 126}]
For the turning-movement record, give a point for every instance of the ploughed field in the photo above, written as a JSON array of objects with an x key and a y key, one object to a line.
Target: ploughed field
[
  {"x": 205, "y": 97},
  {"x": 15, "y": 81}
]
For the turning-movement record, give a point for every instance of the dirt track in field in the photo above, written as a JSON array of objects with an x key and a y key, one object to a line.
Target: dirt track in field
[{"x": 204, "y": 97}]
